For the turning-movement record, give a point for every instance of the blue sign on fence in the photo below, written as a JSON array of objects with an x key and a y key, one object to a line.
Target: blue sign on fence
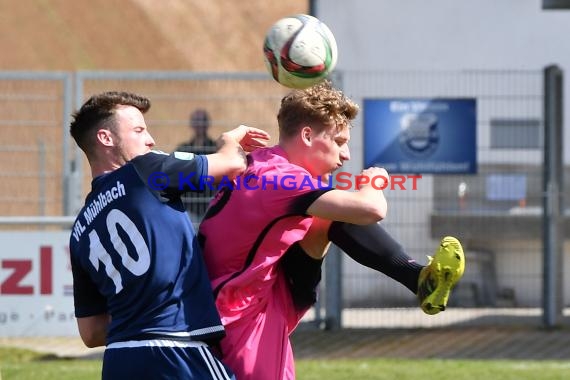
[{"x": 421, "y": 135}]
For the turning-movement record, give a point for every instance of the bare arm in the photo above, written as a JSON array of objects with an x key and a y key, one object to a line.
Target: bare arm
[
  {"x": 365, "y": 206},
  {"x": 230, "y": 159},
  {"x": 93, "y": 330}
]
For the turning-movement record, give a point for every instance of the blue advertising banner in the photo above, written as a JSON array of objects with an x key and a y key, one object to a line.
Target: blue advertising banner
[{"x": 421, "y": 135}]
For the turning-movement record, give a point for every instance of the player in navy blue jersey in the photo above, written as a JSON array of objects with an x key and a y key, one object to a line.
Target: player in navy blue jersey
[{"x": 140, "y": 285}]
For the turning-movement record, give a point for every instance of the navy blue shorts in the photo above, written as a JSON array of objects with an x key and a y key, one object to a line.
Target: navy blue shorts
[{"x": 162, "y": 359}]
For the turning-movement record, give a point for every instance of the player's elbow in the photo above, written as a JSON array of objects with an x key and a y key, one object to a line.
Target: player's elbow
[
  {"x": 90, "y": 344},
  {"x": 93, "y": 329},
  {"x": 92, "y": 340},
  {"x": 373, "y": 213}
]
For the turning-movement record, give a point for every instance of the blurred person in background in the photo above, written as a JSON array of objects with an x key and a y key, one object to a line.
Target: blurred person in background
[{"x": 200, "y": 143}]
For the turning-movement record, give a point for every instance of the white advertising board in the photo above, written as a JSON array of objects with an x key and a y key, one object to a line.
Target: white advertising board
[{"x": 36, "y": 285}]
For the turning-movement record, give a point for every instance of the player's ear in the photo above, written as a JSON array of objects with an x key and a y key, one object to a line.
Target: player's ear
[
  {"x": 104, "y": 136},
  {"x": 306, "y": 135}
]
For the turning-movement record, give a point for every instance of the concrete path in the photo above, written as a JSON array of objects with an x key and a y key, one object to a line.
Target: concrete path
[
  {"x": 395, "y": 333},
  {"x": 444, "y": 343}
]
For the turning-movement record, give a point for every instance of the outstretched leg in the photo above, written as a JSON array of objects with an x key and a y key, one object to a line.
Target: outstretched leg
[{"x": 374, "y": 248}]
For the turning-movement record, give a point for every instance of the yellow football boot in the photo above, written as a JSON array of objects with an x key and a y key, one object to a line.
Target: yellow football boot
[{"x": 441, "y": 274}]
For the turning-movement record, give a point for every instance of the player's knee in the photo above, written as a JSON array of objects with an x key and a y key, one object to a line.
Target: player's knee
[{"x": 303, "y": 275}]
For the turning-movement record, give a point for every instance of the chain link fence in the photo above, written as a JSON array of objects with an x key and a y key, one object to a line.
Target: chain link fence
[
  {"x": 496, "y": 212},
  {"x": 34, "y": 107}
]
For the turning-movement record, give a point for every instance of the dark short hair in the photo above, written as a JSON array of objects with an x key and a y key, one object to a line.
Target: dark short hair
[{"x": 98, "y": 110}]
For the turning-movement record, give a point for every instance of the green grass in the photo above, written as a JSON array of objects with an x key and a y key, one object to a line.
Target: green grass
[
  {"x": 427, "y": 369},
  {"x": 28, "y": 365}
]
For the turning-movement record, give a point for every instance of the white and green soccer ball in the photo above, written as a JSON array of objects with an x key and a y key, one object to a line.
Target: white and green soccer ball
[{"x": 299, "y": 51}]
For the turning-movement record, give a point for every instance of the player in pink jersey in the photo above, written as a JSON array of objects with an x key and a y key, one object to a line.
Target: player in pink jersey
[{"x": 264, "y": 237}]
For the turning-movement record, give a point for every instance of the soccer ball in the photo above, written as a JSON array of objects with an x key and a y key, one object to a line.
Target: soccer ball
[{"x": 299, "y": 51}]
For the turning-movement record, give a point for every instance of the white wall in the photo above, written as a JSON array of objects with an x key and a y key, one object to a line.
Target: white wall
[{"x": 450, "y": 35}]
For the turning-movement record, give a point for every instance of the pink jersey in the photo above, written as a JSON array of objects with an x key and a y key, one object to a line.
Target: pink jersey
[{"x": 244, "y": 234}]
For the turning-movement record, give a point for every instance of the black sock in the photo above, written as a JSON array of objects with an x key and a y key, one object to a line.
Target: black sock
[
  {"x": 374, "y": 248},
  {"x": 303, "y": 275}
]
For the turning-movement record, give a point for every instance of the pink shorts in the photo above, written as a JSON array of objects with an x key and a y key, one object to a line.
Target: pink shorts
[{"x": 257, "y": 346}]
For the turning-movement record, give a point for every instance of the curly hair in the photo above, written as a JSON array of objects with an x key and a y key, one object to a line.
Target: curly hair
[
  {"x": 98, "y": 110},
  {"x": 321, "y": 105}
]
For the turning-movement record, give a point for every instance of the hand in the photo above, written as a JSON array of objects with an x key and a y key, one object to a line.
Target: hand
[
  {"x": 374, "y": 172},
  {"x": 374, "y": 176},
  {"x": 249, "y": 138}
]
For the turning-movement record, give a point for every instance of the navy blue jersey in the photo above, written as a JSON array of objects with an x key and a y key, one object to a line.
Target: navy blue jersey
[{"x": 134, "y": 253}]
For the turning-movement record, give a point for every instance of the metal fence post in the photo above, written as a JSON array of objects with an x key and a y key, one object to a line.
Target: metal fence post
[
  {"x": 68, "y": 185},
  {"x": 552, "y": 197},
  {"x": 75, "y": 178},
  {"x": 333, "y": 287}
]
